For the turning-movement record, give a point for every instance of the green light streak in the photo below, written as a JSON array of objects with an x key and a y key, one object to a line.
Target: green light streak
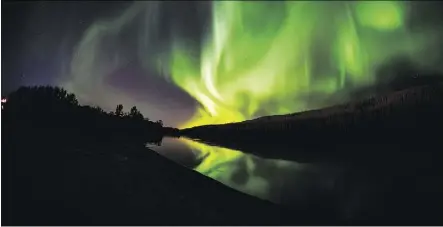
[
  {"x": 263, "y": 53},
  {"x": 258, "y": 58},
  {"x": 381, "y": 15},
  {"x": 247, "y": 173}
]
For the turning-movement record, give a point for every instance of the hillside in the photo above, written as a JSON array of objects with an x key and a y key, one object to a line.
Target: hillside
[
  {"x": 422, "y": 94},
  {"x": 66, "y": 164},
  {"x": 418, "y": 98},
  {"x": 411, "y": 116},
  {"x": 47, "y": 183},
  {"x": 392, "y": 142}
]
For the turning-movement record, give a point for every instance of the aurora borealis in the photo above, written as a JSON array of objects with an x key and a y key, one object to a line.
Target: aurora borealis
[
  {"x": 223, "y": 61},
  {"x": 251, "y": 59},
  {"x": 202, "y": 62},
  {"x": 197, "y": 63},
  {"x": 263, "y": 57}
]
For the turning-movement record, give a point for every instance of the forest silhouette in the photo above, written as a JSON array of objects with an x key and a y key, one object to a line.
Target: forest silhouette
[
  {"x": 58, "y": 113},
  {"x": 67, "y": 164}
]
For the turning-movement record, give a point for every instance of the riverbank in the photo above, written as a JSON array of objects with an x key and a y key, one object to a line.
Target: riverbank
[
  {"x": 48, "y": 181},
  {"x": 66, "y": 164},
  {"x": 409, "y": 118},
  {"x": 393, "y": 142}
]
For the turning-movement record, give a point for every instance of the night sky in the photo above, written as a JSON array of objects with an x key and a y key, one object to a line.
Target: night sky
[
  {"x": 106, "y": 53},
  {"x": 39, "y": 41}
]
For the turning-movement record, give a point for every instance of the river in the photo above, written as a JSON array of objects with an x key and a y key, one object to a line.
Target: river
[
  {"x": 399, "y": 183},
  {"x": 285, "y": 182}
]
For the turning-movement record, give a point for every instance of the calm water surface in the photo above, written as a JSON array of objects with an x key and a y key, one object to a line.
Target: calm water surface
[
  {"x": 280, "y": 181},
  {"x": 406, "y": 185},
  {"x": 372, "y": 181}
]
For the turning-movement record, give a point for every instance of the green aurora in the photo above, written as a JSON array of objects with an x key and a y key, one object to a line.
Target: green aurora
[
  {"x": 262, "y": 58},
  {"x": 255, "y": 58}
]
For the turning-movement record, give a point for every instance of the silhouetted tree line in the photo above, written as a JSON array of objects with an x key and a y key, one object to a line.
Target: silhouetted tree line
[
  {"x": 65, "y": 164},
  {"x": 53, "y": 109},
  {"x": 404, "y": 116}
]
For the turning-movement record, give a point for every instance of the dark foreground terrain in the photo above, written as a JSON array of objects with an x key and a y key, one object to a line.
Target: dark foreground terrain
[
  {"x": 410, "y": 118},
  {"x": 65, "y": 164},
  {"x": 51, "y": 181},
  {"x": 391, "y": 142}
]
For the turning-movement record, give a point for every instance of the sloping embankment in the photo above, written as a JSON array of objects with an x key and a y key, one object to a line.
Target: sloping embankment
[
  {"x": 50, "y": 181},
  {"x": 411, "y": 117},
  {"x": 412, "y": 109}
]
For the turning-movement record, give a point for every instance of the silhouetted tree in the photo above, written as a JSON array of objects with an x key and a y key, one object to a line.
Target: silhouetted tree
[
  {"x": 160, "y": 122},
  {"x": 135, "y": 114},
  {"x": 54, "y": 110},
  {"x": 98, "y": 109},
  {"x": 119, "y": 110},
  {"x": 72, "y": 99}
]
